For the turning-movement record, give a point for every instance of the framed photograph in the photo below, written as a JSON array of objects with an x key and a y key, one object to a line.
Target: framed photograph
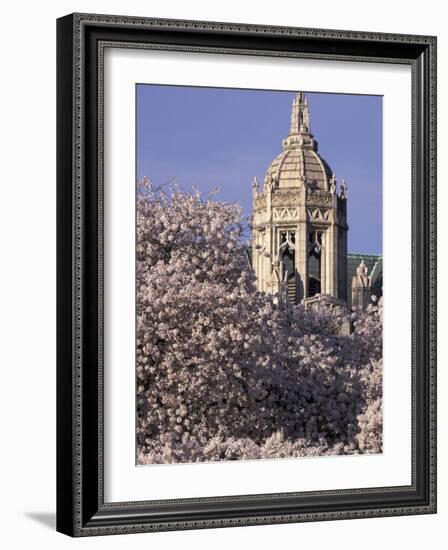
[{"x": 246, "y": 274}]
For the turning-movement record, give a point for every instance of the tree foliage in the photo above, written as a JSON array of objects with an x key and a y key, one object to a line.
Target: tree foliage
[{"x": 223, "y": 371}]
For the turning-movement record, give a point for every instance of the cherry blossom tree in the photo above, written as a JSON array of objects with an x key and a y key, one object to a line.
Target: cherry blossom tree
[{"x": 223, "y": 371}]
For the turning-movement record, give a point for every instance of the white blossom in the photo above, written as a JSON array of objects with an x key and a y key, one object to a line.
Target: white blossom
[{"x": 225, "y": 373}]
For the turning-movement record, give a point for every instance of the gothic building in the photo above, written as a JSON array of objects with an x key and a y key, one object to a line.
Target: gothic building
[
  {"x": 299, "y": 245},
  {"x": 370, "y": 283}
]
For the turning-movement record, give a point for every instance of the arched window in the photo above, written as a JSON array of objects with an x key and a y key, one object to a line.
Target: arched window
[
  {"x": 287, "y": 253},
  {"x": 314, "y": 262},
  {"x": 288, "y": 262}
]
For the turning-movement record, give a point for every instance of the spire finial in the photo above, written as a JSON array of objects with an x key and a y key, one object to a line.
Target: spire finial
[
  {"x": 255, "y": 187},
  {"x": 299, "y": 136},
  {"x": 343, "y": 193},
  {"x": 300, "y": 115},
  {"x": 362, "y": 268},
  {"x": 333, "y": 183}
]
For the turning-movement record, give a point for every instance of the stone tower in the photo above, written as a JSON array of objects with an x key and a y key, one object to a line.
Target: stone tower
[{"x": 299, "y": 242}]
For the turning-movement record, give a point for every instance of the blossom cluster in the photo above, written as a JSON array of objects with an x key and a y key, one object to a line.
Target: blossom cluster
[{"x": 224, "y": 372}]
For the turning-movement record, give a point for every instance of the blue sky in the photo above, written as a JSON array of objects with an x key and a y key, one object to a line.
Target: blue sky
[{"x": 219, "y": 137}]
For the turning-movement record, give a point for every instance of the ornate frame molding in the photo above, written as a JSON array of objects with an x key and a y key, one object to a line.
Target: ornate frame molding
[{"x": 81, "y": 42}]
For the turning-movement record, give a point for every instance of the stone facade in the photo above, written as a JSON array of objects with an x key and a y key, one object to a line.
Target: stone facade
[{"x": 299, "y": 244}]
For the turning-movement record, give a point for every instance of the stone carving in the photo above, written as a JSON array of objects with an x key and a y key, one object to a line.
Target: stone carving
[
  {"x": 280, "y": 198},
  {"x": 285, "y": 213},
  {"x": 255, "y": 186},
  {"x": 343, "y": 193},
  {"x": 333, "y": 183},
  {"x": 260, "y": 202},
  {"x": 318, "y": 197},
  {"x": 361, "y": 287},
  {"x": 318, "y": 214}
]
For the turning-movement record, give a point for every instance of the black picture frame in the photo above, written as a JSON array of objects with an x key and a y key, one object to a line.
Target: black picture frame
[{"x": 81, "y": 510}]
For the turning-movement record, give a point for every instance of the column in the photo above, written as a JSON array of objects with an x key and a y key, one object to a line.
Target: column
[
  {"x": 301, "y": 257},
  {"x": 323, "y": 265}
]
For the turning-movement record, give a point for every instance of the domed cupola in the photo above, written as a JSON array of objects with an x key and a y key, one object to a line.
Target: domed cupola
[{"x": 299, "y": 161}]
